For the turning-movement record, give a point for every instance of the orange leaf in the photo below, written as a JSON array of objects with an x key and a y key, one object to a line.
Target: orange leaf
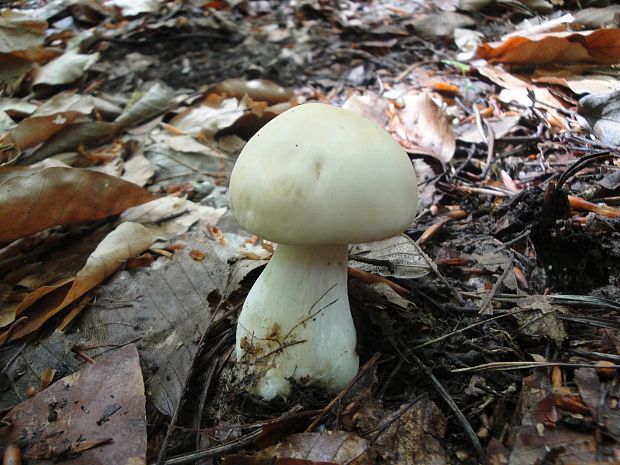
[{"x": 601, "y": 47}]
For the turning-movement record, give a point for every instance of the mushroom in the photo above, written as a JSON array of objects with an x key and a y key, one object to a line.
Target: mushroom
[{"x": 313, "y": 180}]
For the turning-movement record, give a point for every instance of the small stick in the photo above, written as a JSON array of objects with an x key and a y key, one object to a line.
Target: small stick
[{"x": 342, "y": 393}]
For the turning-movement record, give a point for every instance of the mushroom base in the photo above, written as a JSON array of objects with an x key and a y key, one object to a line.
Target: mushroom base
[{"x": 296, "y": 322}]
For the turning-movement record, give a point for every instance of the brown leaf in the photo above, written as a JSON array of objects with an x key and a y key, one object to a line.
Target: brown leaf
[
  {"x": 19, "y": 31},
  {"x": 168, "y": 309},
  {"x": 127, "y": 240},
  {"x": 36, "y": 129},
  {"x": 601, "y": 46},
  {"x": 337, "y": 447},
  {"x": 259, "y": 90},
  {"x": 34, "y": 199},
  {"x": 424, "y": 128},
  {"x": 98, "y": 412},
  {"x": 411, "y": 435}
]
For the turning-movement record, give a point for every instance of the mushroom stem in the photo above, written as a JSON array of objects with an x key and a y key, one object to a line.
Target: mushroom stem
[{"x": 296, "y": 322}]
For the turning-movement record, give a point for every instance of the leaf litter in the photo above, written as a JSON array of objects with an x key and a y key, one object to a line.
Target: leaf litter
[{"x": 511, "y": 265}]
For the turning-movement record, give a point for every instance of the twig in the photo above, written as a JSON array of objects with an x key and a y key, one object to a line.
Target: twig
[
  {"x": 342, "y": 393},
  {"x": 445, "y": 282},
  {"x": 526, "y": 366},
  {"x": 455, "y": 408},
  {"x": 487, "y": 300},
  {"x": 217, "y": 450}
]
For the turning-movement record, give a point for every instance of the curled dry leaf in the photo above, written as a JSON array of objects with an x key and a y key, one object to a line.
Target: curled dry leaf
[
  {"x": 96, "y": 415},
  {"x": 34, "y": 199},
  {"x": 425, "y": 128},
  {"x": 209, "y": 117},
  {"x": 259, "y": 90},
  {"x": 19, "y": 31},
  {"x": 65, "y": 69},
  {"x": 398, "y": 256},
  {"x": 600, "y": 47},
  {"x": 158, "y": 99},
  {"x": 127, "y": 240}
]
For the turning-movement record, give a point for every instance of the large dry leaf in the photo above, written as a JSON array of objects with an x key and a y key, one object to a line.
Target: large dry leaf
[
  {"x": 33, "y": 200},
  {"x": 424, "y": 128},
  {"x": 65, "y": 69},
  {"x": 168, "y": 309},
  {"x": 600, "y": 47},
  {"x": 19, "y": 31},
  {"x": 127, "y": 240},
  {"x": 98, "y": 414}
]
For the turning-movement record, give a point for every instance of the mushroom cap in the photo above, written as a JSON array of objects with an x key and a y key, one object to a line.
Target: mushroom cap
[{"x": 319, "y": 174}]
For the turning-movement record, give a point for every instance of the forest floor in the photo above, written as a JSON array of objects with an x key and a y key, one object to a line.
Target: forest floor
[{"x": 488, "y": 332}]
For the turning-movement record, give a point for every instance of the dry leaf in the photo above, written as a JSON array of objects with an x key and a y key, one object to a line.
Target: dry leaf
[
  {"x": 19, "y": 31},
  {"x": 209, "y": 117},
  {"x": 580, "y": 79},
  {"x": 65, "y": 69},
  {"x": 369, "y": 105},
  {"x": 425, "y": 128},
  {"x": 157, "y": 100},
  {"x": 334, "y": 447},
  {"x": 170, "y": 310},
  {"x": 100, "y": 407},
  {"x": 36, "y": 199},
  {"x": 127, "y": 240},
  {"x": 600, "y": 47},
  {"x": 134, "y": 7},
  {"x": 602, "y": 112},
  {"x": 435, "y": 25}
]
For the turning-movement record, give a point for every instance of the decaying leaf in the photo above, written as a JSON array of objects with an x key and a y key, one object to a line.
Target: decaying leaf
[
  {"x": 333, "y": 447},
  {"x": 600, "y": 47},
  {"x": 168, "y": 310},
  {"x": 542, "y": 319},
  {"x": 37, "y": 199},
  {"x": 411, "y": 435},
  {"x": 95, "y": 416},
  {"x": 398, "y": 256},
  {"x": 127, "y": 240},
  {"x": 23, "y": 366}
]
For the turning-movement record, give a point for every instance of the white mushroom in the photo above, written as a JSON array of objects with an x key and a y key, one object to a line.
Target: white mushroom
[{"x": 313, "y": 180}]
